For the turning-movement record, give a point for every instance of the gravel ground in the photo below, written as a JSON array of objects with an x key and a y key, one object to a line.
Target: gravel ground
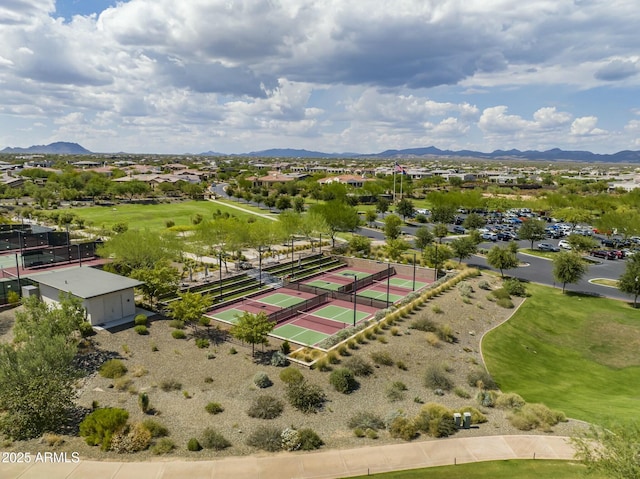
[{"x": 214, "y": 374}]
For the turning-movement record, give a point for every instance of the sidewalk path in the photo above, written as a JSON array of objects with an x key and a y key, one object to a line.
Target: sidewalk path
[
  {"x": 223, "y": 203},
  {"x": 326, "y": 464}
]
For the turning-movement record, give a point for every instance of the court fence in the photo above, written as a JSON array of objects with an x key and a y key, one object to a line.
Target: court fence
[
  {"x": 360, "y": 283},
  {"x": 291, "y": 311},
  {"x": 307, "y": 288}
]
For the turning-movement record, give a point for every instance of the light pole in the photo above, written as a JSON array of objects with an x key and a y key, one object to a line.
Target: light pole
[
  {"x": 388, "y": 281},
  {"x": 220, "y": 259},
  {"x": 435, "y": 273},
  {"x": 414, "y": 271},
  {"x": 355, "y": 294},
  {"x": 260, "y": 265}
]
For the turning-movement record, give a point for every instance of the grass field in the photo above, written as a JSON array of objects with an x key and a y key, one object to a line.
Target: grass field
[
  {"x": 574, "y": 353},
  {"x": 154, "y": 217},
  {"x": 496, "y": 470}
]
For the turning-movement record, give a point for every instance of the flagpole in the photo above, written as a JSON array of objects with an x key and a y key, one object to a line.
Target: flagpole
[
  {"x": 394, "y": 185},
  {"x": 401, "y": 175}
]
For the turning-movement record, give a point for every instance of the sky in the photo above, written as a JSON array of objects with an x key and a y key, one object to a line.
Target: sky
[{"x": 233, "y": 76}]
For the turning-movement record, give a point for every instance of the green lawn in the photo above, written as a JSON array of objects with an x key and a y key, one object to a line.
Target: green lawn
[
  {"x": 153, "y": 217},
  {"x": 538, "y": 469},
  {"x": 574, "y": 353}
]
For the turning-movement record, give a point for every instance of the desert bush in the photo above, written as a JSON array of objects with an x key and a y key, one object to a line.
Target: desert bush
[
  {"x": 476, "y": 416},
  {"x": 437, "y": 309},
  {"x": 285, "y": 347},
  {"x": 403, "y": 428},
  {"x": 342, "y": 380},
  {"x": 484, "y": 285},
  {"x": 267, "y": 438},
  {"x": 265, "y": 407},
  {"x": 465, "y": 290},
  {"x": 85, "y": 328},
  {"x": 170, "y": 385},
  {"x": 204, "y": 321},
  {"x": 499, "y": 293},
  {"x": 366, "y": 420},
  {"x": 309, "y": 440},
  {"x": 505, "y": 303},
  {"x": 193, "y": 445},
  {"x": 510, "y": 401},
  {"x": 139, "y": 371},
  {"x": 332, "y": 358},
  {"x": 178, "y": 334},
  {"x": 100, "y": 425},
  {"x": 279, "y": 360},
  {"x": 124, "y": 384},
  {"x": 445, "y": 333},
  {"x": 435, "y": 420},
  {"x": 291, "y": 375},
  {"x": 382, "y": 357},
  {"x": 394, "y": 331},
  {"x": 422, "y": 324},
  {"x": 401, "y": 365},
  {"x": 322, "y": 364},
  {"x": 359, "y": 432},
  {"x": 487, "y": 398},
  {"x": 481, "y": 379},
  {"x": 395, "y": 391},
  {"x": 461, "y": 393},
  {"x": 214, "y": 408},
  {"x": 436, "y": 378},
  {"x": 358, "y": 366},
  {"x": 112, "y": 369},
  {"x": 290, "y": 439},
  {"x": 51, "y": 439},
  {"x": 535, "y": 416},
  {"x": 155, "y": 428},
  {"x": 143, "y": 402},
  {"x": 163, "y": 446},
  {"x": 514, "y": 287},
  {"x": 140, "y": 320},
  {"x": 432, "y": 339},
  {"x": 305, "y": 396},
  {"x": 261, "y": 380},
  {"x": 129, "y": 440},
  {"x": 212, "y": 439},
  {"x": 176, "y": 324},
  {"x": 202, "y": 343}
]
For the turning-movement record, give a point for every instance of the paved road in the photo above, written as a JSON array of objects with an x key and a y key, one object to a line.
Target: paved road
[{"x": 326, "y": 464}]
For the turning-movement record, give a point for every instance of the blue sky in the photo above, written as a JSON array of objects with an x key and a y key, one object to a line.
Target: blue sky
[{"x": 160, "y": 76}]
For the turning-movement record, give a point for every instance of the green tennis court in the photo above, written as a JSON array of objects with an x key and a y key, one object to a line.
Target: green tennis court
[
  {"x": 381, "y": 295},
  {"x": 280, "y": 299},
  {"x": 405, "y": 283},
  {"x": 229, "y": 315},
  {"x": 299, "y": 335},
  {"x": 318, "y": 283},
  {"x": 349, "y": 273},
  {"x": 340, "y": 314}
]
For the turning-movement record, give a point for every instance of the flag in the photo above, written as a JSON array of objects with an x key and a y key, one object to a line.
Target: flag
[{"x": 399, "y": 169}]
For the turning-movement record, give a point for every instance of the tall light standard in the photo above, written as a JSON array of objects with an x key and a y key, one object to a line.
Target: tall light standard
[
  {"x": 436, "y": 264},
  {"x": 260, "y": 265},
  {"x": 414, "y": 271},
  {"x": 388, "y": 281},
  {"x": 355, "y": 294}
]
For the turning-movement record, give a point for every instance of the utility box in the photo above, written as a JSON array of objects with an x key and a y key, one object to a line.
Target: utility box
[
  {"x": 30, "y": 290},
  {"x": 467, "y": 420},
  {"x": 457, "y": 419}
]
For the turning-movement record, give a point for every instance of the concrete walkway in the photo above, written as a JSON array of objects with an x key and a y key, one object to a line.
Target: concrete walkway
[{"x": 326, "y": 464}]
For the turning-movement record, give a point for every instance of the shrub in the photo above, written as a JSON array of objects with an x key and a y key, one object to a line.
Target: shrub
[
  {"x": 358, "y": 366},
  {"x": 279, "y": 360},
  {"x": 123, "y": 384},
  {"x": 535, "y": 416},
  {"x": 204, "y": 321},
  {"x": 510, "y": 401},
  {"x": 435, "y": 420},
  {"x": 212, "y": 439},
  {"x": 193, "y": 445},
  {"x": 265, "y": 407},
  {"x": 100, "y": 425},
  {"x": 401, "y": 365},
  {"x": 140, "y": 320},
  {"x": 333, "y": 358},
  {"x": 112, "y": 369},
  {"x": 305, "y": 396},
  {"x": 176, "y": 323},
  {"x": 143, "y": 402},
  {"x": 395, "y": 331},
  {"x": 342, "y": 380},
  {"x": 461, "y": 393},
  {"x": 285, "y": 347},
  {"x": 291, "y": 375},
  {"x": 267, "y": 438},
  {"x": 487, "y": 398},
  {"x": 436, "y": 378},
  {"x": 261, "y": 380},
  {"x": 465, "y": 290},
  {"x": 322, "y": 364},
  {"x": 170, "y": 385},
  {"x": 484, "y": 285},
  {"x": 500, "y": 293},
  {"x": 214, "y": 408},
  {"x": 141, "y": 330},
  {"x": 202, "y": 343},
  {"x": 382, "y": 358},
  {"x": 163, "y": 446},
  {"x": 432, "y": 339},
  {"x": 437, "y": 309},
  {"x": 366, "y": 420},
  {"x": 505, "y": 303},
  {"x": 403, "y": 428},
  {"x": 155, "y": 428},
  {"x": 85, "y": 329},
  {"x": 514, "y": 287},
  {"x": 423, "y": 324},
  {"x": 445, "y": 333},
  {"x": 476, "y": 416},
  {"x": 290, "y": 439},
  {"x": 395, "y": 391},
  {"x": 481, "y": 379},
  {"x": 178, "y": 334},
  {"x": 309, "y": 440},
  {"x": 13, "y": 297},
  {"x": 129, "y": 440}
]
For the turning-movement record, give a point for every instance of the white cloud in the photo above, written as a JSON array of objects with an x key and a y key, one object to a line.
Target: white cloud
[{"x": 586, "y": 126}]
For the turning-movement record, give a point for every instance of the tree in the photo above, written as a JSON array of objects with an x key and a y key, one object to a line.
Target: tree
[
  {"x": 283, "y": 202},
  {"x": 370, "y": 217},
  {"x": 532, "y": 230},
  {"x": 360, "y": 244},
  {"x": 190, "y": 307},
  {"x": 395, "y": 248},
  {"x": 629, "y": 282},
  {"x": 443, "y": 214},
  {"x": 473, "y": 221},
  {"x": 440, "y": 231},
  {"x": 405, "y": 208},
  {"x": 158, "y": 281},
  {"x": 298, "y": 204},
  {"x": 134, "y": 249},
  {"x": 62, "y": 320},
  {"x": 252, "y": 329},
  {"x": 580, "y": 243},
  {"x": 502, "y": 258},
  {"x": 436, "y": 254},
  {"x": 625, "y": 222},
  {"x": 463, "y": 248},
  {"x": 382, "y": 205},
  {"x": 568, "y": 267},
  {"x": 392, "y": 224},
  {"x": 424, "y": 237},
  {"x": 611, "y": 451},
  {"x": 339, "y": 216}
]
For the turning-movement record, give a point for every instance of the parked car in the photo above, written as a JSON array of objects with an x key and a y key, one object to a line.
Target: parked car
[
  {"x": 564, "y": 244},
  {"x": 459, "y": 230},
  {"x": 548, "y": 247},
  {"x": 490, "y": 236},
  {"x": 600, "y": 253}
]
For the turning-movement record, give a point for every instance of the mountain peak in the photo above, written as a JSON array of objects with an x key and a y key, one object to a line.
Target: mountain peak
[{"x": 57, "y": 148}]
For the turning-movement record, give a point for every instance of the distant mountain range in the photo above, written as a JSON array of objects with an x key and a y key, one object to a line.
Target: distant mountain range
[
  {"x": 58, "y": 148},
  {"x": 555, "y": 154}
]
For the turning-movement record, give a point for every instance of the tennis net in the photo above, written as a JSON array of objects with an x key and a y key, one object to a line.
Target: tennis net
[
  {"x": 270, "y": 308},
  {"x": 291, "y": 311},
  {"x": 396, "y": 289},
  {"x": 321, "y": 321}
]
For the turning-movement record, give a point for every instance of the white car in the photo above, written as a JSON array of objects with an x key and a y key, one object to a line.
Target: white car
[{"x": 564, "y": 244}]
